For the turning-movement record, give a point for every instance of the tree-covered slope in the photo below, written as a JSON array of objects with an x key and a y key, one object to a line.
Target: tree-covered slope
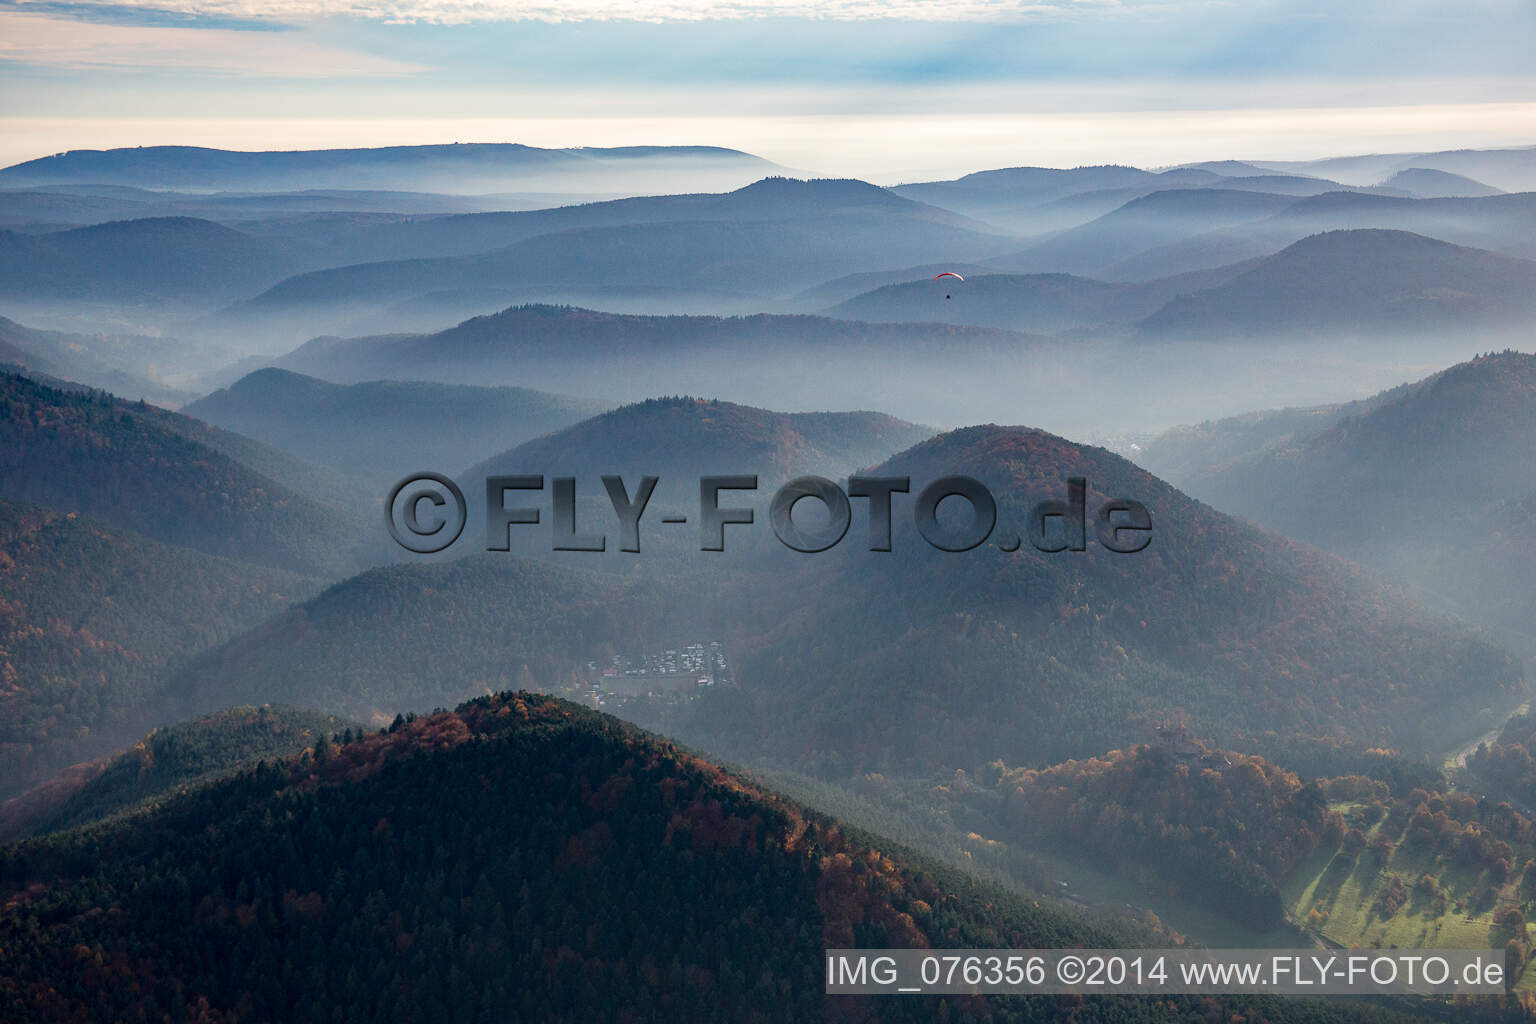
[
  {"x": 122, "y": 462},
  {"x": 91, "y": 619},
  {"x": 518, "y": 859},
  {"x": 169, "y": 759}
]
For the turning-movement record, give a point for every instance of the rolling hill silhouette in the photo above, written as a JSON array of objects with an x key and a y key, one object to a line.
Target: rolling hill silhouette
[
  {"x": 1430, "y": 482},
  {"x": 1366, "y": 282},
  {"x": 453, "y": 168},
  {"x": 383, "y": 429},
  {"x": 144, "y": 469}
]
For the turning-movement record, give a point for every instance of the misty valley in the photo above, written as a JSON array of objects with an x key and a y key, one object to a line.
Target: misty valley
[{"x": 450, "y": 583}]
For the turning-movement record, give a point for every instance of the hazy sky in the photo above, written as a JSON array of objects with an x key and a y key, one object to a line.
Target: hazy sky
[{"x": 889, "y": 91}]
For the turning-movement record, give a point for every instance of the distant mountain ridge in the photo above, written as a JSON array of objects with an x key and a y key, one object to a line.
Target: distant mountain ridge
[
  {"x": 768, "y": 199},
  {"x": 1039, "y": 200},
  {"x": 1038, "y": 303},
  {"x": 1359, "y": 282},
  {"x": 1144, "y": 223},
  {"x": 1349, "y": 282},
  {"x": 472, "y": 167},
  {"x": 1513, "y": 170},
  {"x": 156, "y": 258},
  {"x": 520, "y": 342},
  {"x": 762, "y": 243},
  {"x": 1430, "y": 183},
  {"x": 1505, "y": 224},
  {"x": 386, "y": 428}
]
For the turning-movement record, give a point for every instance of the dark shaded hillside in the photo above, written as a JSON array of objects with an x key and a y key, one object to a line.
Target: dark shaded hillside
[
  {"x": 334, "y": 488},
  {"x": 168, "y": 760},
  {"x": 1431, "y": 483},
  {"x": 463, "y": 628},
  {"x": 962, "y": 658},
  {"x": 511, "y": 345},
  {"x": 680, "y": 440},
  {"x": 1450, "y": 444},
  {"x": 1224, "y": 828},
  {"x": 490, "y": 621},
  {"x": 1365, "y": 282},
  {"x": 518, "y": 858},
  {"x": 1485, "y": 566},
  {"x": 1188, "y": 453},
  {"x": 91, "y": 453},
  {"x": 689, "y": 437},
  {"x": 91, "y": 618},
  {"x": 383, "y": 429},
  {"x": 181, "y": 259}
]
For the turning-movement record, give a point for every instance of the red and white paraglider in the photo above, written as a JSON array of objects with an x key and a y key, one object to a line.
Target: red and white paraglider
[{"x": 948, "y": 273}]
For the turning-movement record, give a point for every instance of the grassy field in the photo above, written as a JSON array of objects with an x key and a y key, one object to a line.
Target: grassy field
[
  {"x": 1334, "y": 896},
  {"x": 1339, "y": 896}
]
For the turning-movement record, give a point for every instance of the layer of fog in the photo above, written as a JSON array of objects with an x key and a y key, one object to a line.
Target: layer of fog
[{"x": 1105, "y": 393}]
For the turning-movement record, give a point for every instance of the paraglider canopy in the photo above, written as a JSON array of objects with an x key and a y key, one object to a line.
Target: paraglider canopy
[{"x": 948, "y": 273}]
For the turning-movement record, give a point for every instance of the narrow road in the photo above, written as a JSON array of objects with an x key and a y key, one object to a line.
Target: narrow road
[{"x": 1459, "y": 758}]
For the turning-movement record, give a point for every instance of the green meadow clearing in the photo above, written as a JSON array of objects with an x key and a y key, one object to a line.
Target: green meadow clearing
[{"x": 1347, "y": 900}]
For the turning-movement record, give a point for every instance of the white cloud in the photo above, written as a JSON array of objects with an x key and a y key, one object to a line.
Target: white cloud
[
  {"x": 449, "y": 12},
  {"x": 57, "y": 42}
]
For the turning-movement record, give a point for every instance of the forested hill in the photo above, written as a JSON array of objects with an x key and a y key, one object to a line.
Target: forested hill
[
  {"x": 517, "y": 859},
  {"x": 92, "y": 618},
  {"x": 168, "y": 759},
  {"x": 142, "y": 469},
  {"x": 960, "y": 658}
]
